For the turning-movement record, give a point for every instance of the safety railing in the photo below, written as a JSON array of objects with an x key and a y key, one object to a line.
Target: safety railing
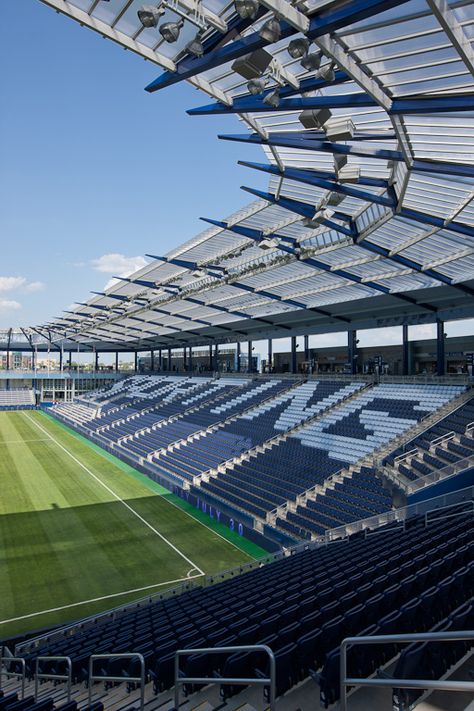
[
  {"x": 469, "y": 427},
  {"x": 120, "y": 679},
  {"x": 442, "y": 438},
  {"x": 49, "y": 676},
  {"x": 405, "y": 455},
  {"x": 424, "y": 684},
  {"x": 5, "y": 661},
  {"x": 240, "y": 681},
  {"x": 440, "y": 474},
  {"x": 398, "y": 515}
]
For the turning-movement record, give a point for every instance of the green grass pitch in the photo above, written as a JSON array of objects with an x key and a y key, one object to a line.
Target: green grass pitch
[{"x": 81, "y": 532}]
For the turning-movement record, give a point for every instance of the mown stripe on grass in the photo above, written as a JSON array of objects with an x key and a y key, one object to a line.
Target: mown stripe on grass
[{"x": 251, "y": 549}]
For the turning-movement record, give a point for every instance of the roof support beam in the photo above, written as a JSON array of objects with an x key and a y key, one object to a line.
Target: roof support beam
[
  {"x": 256, "y": 104},
  {"x": 301, "y": 208},
  {"x": 324, "y": 22},
  {"x": 455, "y": 32},
  {"x": 66, "y": 8},
  {"x": 304, "y": 141},
  {"x": 308, "y": 177}
]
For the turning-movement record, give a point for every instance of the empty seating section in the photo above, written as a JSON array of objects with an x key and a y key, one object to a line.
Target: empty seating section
[
  {"x": 445, "y": 443},
  {"x": 16, "y": 399},
  {"x": 251, "y": 429},
  {"x": 301, "y": 606},
  {"x": 326, "y": 446},
  {"x": 209, "y": 413},
  {"x": 358, "y": 495}
]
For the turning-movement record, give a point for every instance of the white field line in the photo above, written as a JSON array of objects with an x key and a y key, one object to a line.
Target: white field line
[
  {"x": 116, "y": 496},
  {"x": 98, "y": 599},
  {"x": 171, "y": 503}
]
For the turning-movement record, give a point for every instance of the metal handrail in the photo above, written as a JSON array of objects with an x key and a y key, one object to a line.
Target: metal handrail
[
  {"x": 131, "y": 655},
  {"x": 263, "y": 681},
  {"x": 11, "y": 675},
  {"x": 469, "y": 427},
  {"x": 54, "y": 677},
  {"x": 426, "y": 684},
  {"x": 442, "y": 438},
  {"x": 405, "y": 455}
]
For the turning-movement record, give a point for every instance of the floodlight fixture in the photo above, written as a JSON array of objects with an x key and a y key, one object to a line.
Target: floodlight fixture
[
  {"x": 311, "y": 61},
  {"x": 340, "y": 160},
  {"x": 170, "y": 30},
  {"x": 246, "y": 9},
  {"x": 298, "y": 48},
  {"x": 195, "y": 47},
  {"x": 270, "y": 31},
  {"x": 314, "y": 118},
  {"x": 339, "y": 129},
  {"x": 327, "y": 72},
  {"x": 273, "y": 98},
  {"x": 349, "y": 174},
  {"x": 149, "y": 15},
  {"x": 256, "y": 86},
  {"x": 268, "y": 243}
]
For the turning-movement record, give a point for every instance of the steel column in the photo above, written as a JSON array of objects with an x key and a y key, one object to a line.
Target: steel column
[
  {"x": 168, "y": 365},
  {"x": 352, "y": 350},
  {"x": 135, "y": 365},
  {"x": 249, "y": 357},
  {"x": 293, "y": 354},
  {"x": 210, "y": 359},
  {"x": 270, "y": 354},
  {"x": 405, "y": 351},
  {"x": 306, "y": 348},
  {"x": 116, "y": 361},
  {"x": 190, "y": 359},
  {"x": 440, "y": 354},
  {"x": 238, "y": 357},
  {"x": 152, "y": 360}
]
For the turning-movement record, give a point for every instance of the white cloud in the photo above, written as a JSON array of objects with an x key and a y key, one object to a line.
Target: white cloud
[
  {"x": 13, "y": 283},
  {"x": 35, "y": 286},
  {"x": 119, "y": 264},
  {"x": 7, "y": 305},
  {"x": 9, "y": 283}
]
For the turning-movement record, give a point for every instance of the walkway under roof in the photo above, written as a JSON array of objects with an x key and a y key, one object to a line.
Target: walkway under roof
[{"x": 368, "y": 219}]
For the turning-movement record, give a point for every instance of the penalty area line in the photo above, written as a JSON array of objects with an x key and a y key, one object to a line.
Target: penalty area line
[
  {"x": 116, "y": 496},
  {"x": 98, "y": 599}
]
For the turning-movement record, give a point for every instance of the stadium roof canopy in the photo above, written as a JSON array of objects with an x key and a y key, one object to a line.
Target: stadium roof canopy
[{"x": 368, "y": 219}]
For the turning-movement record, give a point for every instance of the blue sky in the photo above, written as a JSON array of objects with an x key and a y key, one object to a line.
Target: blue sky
[
  {"x": 92, "y": 165},
  {"x": 95, "y": 172}
]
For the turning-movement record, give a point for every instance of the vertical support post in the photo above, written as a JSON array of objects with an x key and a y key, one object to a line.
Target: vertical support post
[
  {"x": 237, "y": 365},
  {"x": 352, "y": 351},
  {"x": 210, "y": 358},
  {"x": 184, "y": 359},
  {"x": 405, "y": 347},
  {"x": 216, "y": 357},
  {"x": 152, "y": 360},
  {"x": 61, "y": 360},
  {"x": 69, "y": 360},
  {"x": 440, "y": 353},
  {"x": 96, "y": 365},
  {"x": 169, "y": 359},
  {"x": 270, "y": 355},
  {"x": 190, "y": 359},
  {"x": 306, "y": 348},
  {"x": 160, "y": 359},
  {"x": 135, "y": 364},
  {"x": 249, "y": 357},
  {"x": 116, "y": 361},
  {"x": 293, "y": 354}
]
